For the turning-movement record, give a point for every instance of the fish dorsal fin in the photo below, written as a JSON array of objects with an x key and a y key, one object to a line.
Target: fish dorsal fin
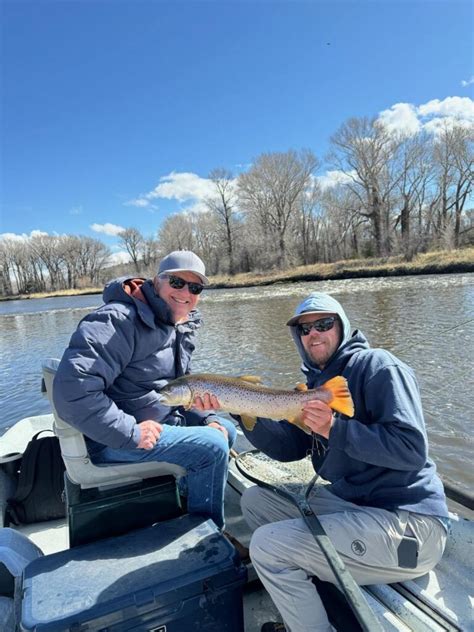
[
  {"x": 301, "y": 387},
  {"x": 341, "y": 397},
  {"x": 249, "y": 422},
  {"x": 251, "y": 379}
]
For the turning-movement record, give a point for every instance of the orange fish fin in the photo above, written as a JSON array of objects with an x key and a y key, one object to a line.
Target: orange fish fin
[
  {"x": 296, "y": 421},
  {"x": 301, "y": 387},
  {"x": 341, "y": 397},
  {"x": 252, "y": 379},
  {"x": 249, "y": 422}
]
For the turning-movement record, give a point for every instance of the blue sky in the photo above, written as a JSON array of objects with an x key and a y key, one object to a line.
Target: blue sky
[{"x": 114, "y": 112}]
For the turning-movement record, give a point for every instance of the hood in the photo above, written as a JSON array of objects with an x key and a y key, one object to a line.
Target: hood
[
  {"x": 122, "y": 289},
  {"x": 321, "y": 303}
]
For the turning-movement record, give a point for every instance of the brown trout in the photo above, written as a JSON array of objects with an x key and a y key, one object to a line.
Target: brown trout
[{"x": 247, "y": 397}]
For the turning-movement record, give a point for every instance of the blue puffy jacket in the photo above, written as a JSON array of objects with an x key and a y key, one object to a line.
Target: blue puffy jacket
[
  {"x": 378, "y": 458},
  {"x": 118, "y": 356}
]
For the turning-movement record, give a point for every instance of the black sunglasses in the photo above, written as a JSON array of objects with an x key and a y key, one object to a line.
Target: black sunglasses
[
  {"x": 177, "y": 283},
  {"x": 322, "y": 324}
]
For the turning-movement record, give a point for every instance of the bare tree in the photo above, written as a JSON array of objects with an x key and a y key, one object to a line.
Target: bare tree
[
  {"x": 454, "y": 160},
  {"x": 306, "y": 225},
  {"x": 272, "y": 190},
  {"x": 412, "y": 190},
  {"x": 223, "y": 208},
  {"x": 132, "y": 240},
  {"x": 344, "y": 226},
  {"x": 176, "y": 233},
  {"x": 364, "y": 150},
  {"x": 150, "y": 252},
  {"x": 49, "y": 249},
  {"x": 6, "y": 267}
]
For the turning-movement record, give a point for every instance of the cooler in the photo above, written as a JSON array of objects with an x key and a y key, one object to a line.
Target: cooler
[{"x": 176, "y": 576}]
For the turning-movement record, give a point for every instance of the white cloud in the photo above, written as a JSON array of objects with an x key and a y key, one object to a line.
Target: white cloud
[
  {"x": 23, "y": 236},
  {"x": 107, "y": 229},
  {"x": 436, "y": 114},
  {"x": 401, "y": 117},
  {"x": 119, "y": 257},
  {"x": 465, "y": 83},
  {"x": 333, "y": 178},
  {"x": 13, "y": 237},
  {"x": 182, "y": 187},
  {"x": 461, "y": 107},
  {"x": 140, "y": 202},
  {"x": 197, "y": 207},
  {"x": 76, "y": 210},
  {"x": 430, "y": 117}
]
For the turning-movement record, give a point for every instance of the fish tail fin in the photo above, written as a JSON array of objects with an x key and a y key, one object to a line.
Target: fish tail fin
[{"x": 341, "y": 397}]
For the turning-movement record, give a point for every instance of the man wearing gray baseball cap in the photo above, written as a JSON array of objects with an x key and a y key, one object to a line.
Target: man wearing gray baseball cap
[{"x": 120, "y": 355}]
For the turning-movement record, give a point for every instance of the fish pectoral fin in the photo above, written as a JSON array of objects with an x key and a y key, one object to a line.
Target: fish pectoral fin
[
  {"x": 341, "y": 396},
  {"x": 249, "y": 422},
  {"x": 299, "y": 423},
  {"x": 301, "y": 387},
  {"x": 252, "y": 379}
]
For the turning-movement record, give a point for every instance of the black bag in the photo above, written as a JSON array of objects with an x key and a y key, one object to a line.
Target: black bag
[{"x": 40, "y": 492}]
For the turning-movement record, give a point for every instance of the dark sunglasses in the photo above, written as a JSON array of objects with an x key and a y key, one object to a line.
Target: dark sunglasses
[
  {"x": 322, "y": 324},
  {"x": 177, "y": 283}
]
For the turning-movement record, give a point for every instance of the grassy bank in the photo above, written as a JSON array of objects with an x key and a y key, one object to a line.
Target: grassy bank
[
  {"x": 77, "y": 292},
  {"x": 439, "y": 262}
]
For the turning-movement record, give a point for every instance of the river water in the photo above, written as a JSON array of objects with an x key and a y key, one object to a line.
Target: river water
[{"x": 427, "y": 321}]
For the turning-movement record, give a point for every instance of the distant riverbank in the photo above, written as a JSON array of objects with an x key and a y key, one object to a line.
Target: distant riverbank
[{"x": 438, "y": 262}]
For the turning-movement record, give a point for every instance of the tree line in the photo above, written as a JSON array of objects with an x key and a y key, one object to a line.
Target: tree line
[{"x": 384, "y": 193}]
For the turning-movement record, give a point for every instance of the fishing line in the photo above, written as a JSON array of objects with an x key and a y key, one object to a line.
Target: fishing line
[
  {"x": 447, "y": 384},
  {"x": 438, "y": 332}
]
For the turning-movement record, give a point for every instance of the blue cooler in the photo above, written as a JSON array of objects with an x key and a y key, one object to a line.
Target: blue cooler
[{"x": 176, "y": 576}]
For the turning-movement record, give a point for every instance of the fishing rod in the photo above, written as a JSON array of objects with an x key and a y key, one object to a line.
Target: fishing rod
[{"x": 440, "y": 332}]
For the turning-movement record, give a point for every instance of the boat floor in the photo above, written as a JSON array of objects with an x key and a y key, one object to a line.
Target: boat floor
[{"x": 440, "y": 600}]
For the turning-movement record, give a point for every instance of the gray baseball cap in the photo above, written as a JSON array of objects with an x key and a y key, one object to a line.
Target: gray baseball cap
[{"x": 183, "y": 261}]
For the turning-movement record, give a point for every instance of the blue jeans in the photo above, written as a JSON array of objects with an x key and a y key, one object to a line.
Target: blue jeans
[{"x": 204, "y": 453}]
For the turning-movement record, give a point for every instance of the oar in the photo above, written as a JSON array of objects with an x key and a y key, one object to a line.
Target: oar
[{"x": 291, "y": 483}]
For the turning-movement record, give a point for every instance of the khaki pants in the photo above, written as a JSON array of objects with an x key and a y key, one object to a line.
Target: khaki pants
[{"x": 285, "y": 554}]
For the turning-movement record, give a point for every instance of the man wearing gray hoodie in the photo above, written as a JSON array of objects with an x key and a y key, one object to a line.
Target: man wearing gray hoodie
[{"x": 384, "y": 508}]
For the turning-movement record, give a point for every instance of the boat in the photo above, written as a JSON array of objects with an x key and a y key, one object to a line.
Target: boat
[{"x": 437, "y": 601}]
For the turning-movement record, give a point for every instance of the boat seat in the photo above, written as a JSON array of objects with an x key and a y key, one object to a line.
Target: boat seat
[
  {"x": 114, "y": 498},
  {"x": 79, "y": 466}
]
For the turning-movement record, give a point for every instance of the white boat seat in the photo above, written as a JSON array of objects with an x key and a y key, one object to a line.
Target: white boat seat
[{"x": 79, "y": 466}]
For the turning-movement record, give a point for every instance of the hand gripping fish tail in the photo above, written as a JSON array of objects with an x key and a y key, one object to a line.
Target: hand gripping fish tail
[{"x": 341, "y": 397}]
